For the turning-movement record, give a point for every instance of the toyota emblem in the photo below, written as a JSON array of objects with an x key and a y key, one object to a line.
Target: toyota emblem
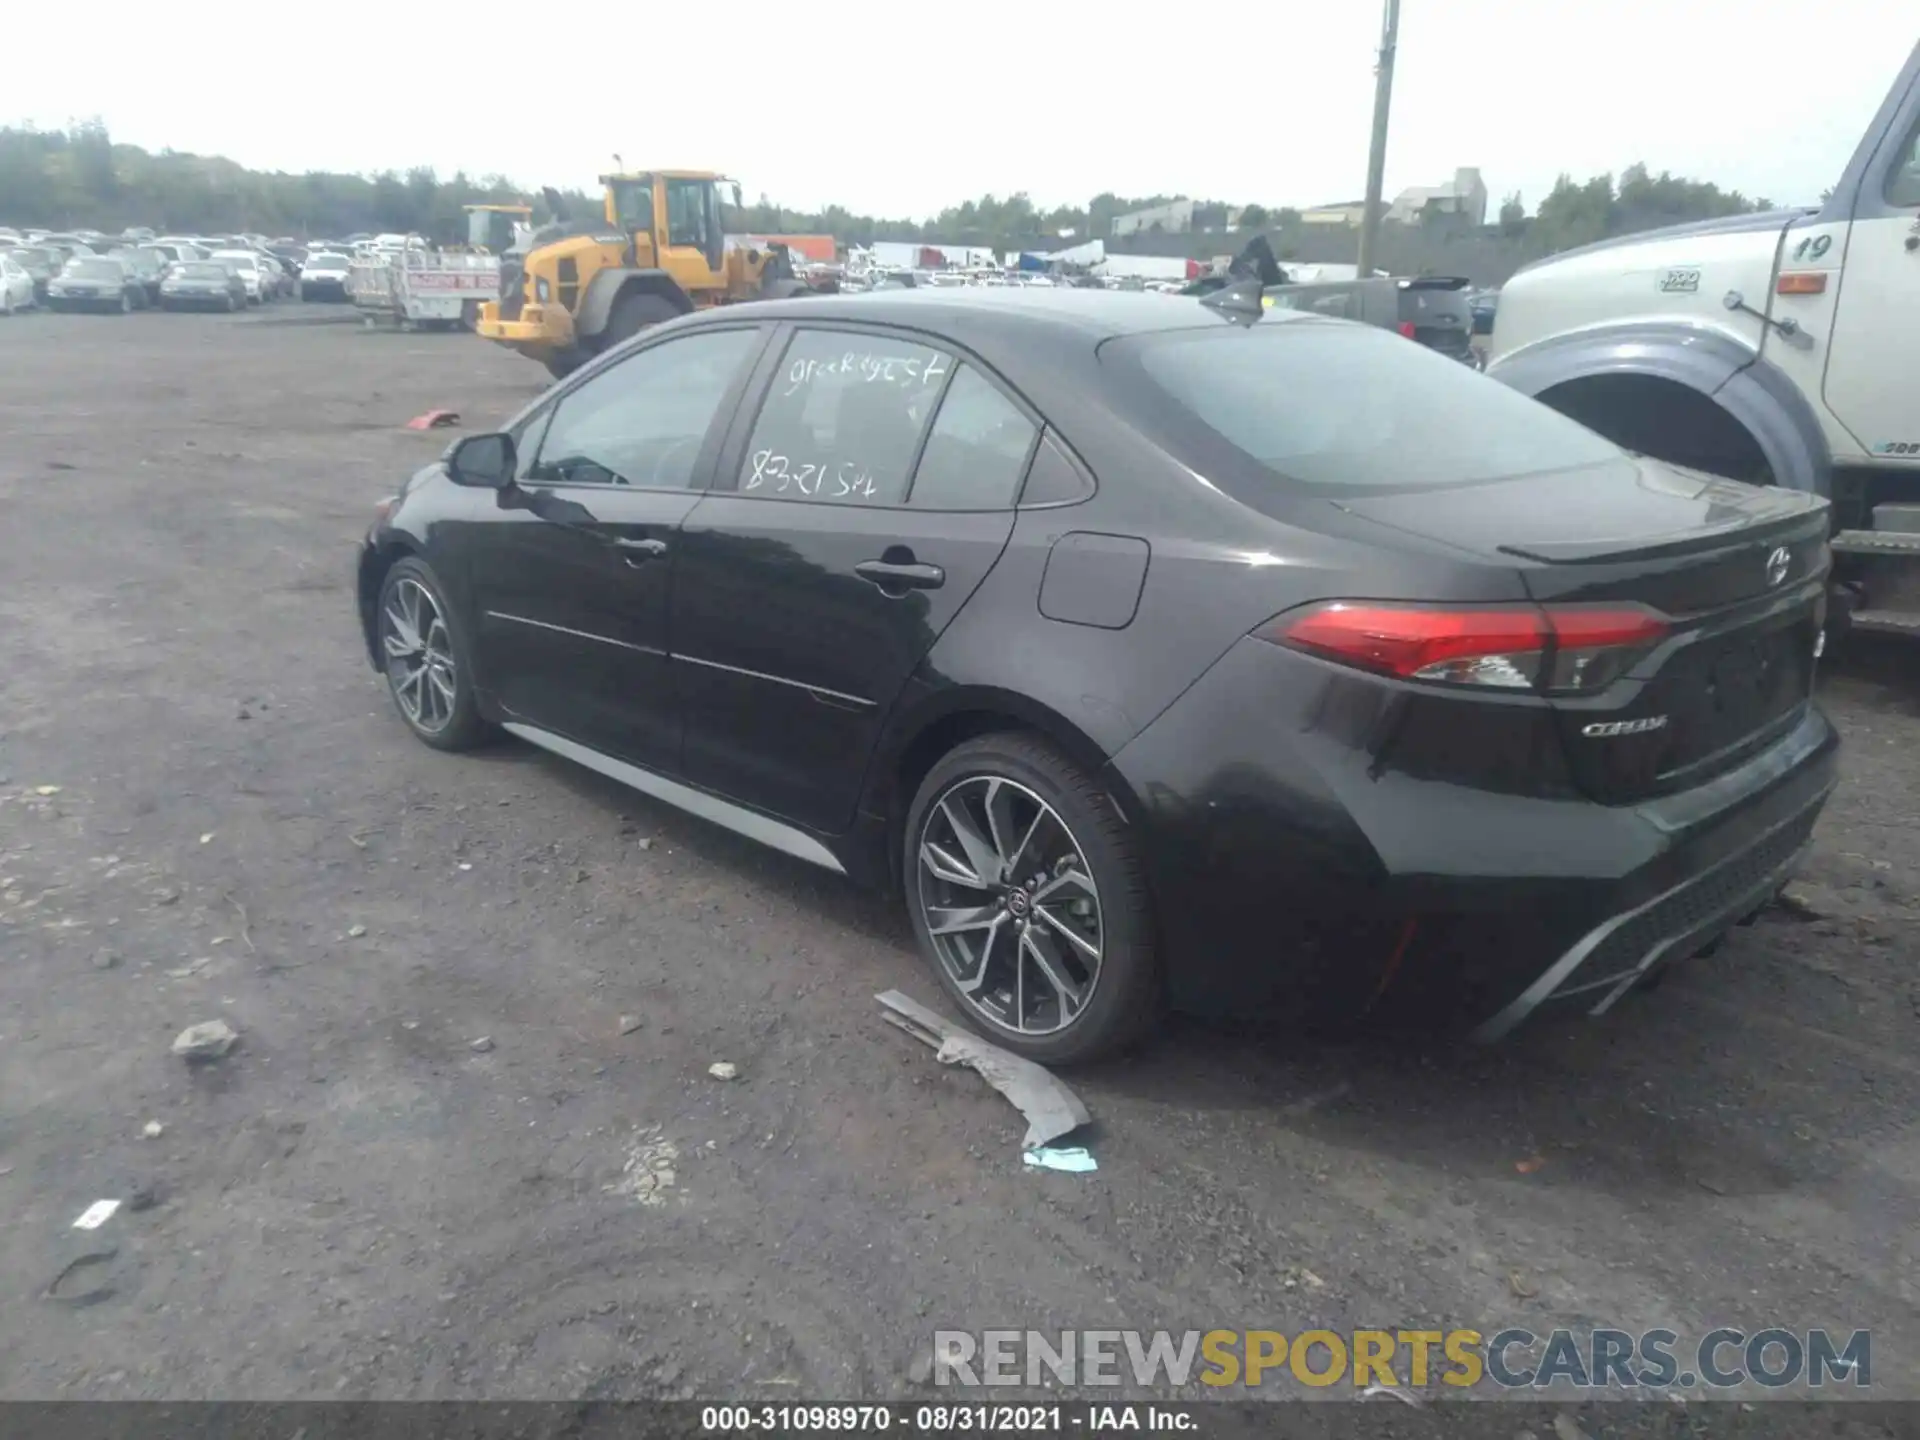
[{"x": 1778, "y": 564}]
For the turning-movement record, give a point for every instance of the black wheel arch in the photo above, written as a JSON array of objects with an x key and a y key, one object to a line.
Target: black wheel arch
[
  {"x": 376, "y": 559},
  {"x": 923, "y": 732}
]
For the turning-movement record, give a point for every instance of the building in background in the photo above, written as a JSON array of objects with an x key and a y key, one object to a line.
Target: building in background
[
  {"x": 1347, "y": 212},
  {"x": 1464, "y": 196},
  {"x": 1173, "y": 218}
]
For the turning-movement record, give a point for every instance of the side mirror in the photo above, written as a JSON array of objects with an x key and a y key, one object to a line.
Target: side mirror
[{"x": 485, "y": 462}]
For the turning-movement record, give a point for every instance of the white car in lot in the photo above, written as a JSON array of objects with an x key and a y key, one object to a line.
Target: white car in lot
[
  {"x": 246, "y": 264},
  {"x": 16, "y": 286}
]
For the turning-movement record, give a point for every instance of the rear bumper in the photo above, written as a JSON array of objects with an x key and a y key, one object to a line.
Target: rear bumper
[
  {"x": 1672, "y": 925},
  {"x": 1311, "y": 853}
]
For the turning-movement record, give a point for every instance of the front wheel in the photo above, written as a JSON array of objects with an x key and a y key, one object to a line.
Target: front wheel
[
  {"x": 426, "y": 659},
  {"x": 634, "y": 313},
  {"x": 1029, "y": 899},
  {"x": 126, "y": 303}
]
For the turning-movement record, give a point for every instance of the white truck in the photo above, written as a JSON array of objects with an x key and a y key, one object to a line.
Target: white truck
[{"x": 1781, "y": 348}]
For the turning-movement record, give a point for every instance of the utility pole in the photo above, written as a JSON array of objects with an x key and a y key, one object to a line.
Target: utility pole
[{"x": 1377, "y": 156}]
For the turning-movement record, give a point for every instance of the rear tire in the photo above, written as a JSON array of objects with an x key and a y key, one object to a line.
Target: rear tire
[
  {"x": 633, "y": 313},
  {"x": 437, "y": 702},
  {"x": 1119, "y": 992}
]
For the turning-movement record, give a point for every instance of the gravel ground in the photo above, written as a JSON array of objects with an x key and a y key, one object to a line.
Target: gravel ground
[{"x": 365, "y": 1200}]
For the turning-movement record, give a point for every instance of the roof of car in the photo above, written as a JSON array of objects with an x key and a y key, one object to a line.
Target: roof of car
[{"x": 1096, "y": 314}]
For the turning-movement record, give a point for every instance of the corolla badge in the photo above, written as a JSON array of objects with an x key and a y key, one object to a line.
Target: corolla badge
[
  {"x": 1778, "y": 564},
  {"x": 1607, "y": 729}
]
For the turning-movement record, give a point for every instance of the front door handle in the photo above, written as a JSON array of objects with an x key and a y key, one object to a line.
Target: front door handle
[{"x": 892, "y": 575}]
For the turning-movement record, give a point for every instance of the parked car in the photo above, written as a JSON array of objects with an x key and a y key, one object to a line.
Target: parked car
[
  {"x": 72, "y": 244},
  {"x": 97, "y": 282},
  {"x": 1428, "y": 309},
  {"x": 40, "y": 264},
  {"x": 177, "y": 251},
  {"x": 148, "y": 265},
  {"x": 1484, "y": 304},
  {"x": 1150, "y": 649},
  {"x": 279, "y": 280},
  {"x": 16, "y": 285},
  {"x": 203, "y": 285},
  {"x": 324, "y": 276},
  {"x": 246, "y": 264}
]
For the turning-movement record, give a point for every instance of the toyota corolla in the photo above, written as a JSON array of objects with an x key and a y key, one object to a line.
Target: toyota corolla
[{"x": 1154, "y": 651}]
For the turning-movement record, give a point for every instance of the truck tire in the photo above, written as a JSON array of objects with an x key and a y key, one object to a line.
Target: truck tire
[{"x": 632, "y": 313}]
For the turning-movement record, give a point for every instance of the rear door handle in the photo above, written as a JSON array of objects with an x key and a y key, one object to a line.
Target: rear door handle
[
  {"x": 638, "y": 552},
  {"x": 890, "y": 575}
]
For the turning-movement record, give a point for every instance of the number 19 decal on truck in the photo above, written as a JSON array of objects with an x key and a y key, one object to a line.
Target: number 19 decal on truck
[{"x": 1780, "y": 348}]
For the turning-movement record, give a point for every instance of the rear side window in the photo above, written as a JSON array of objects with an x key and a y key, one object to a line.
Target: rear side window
[
  {"x": 1351, "y": 408},
  {"x": 843, "y": 418},
  {"x": 977, "y": 450}
]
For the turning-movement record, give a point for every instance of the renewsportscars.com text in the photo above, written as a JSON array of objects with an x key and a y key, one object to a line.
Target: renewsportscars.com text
[{"x": 1511, "y": 1358}]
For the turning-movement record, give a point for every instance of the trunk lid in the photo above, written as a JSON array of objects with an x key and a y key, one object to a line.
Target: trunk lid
[{"x": 1739, "y": 572}]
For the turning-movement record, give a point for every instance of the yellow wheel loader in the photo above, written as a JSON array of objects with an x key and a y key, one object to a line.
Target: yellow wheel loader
[{"x": 658, "y": 251}]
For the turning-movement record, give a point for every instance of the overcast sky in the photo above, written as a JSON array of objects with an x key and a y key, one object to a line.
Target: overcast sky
[{"x": 906, "y": 108}]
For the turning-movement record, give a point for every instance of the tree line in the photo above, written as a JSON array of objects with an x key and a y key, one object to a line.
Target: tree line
[{"x": 79, "y": 178}]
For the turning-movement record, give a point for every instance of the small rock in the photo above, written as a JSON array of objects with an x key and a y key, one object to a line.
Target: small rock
[
  {"x": 920, "y": 1372},
  {"x": 207, "y": 839},
  {"x": 142, "y": 1197},
  {"x": 166, "y": 896},
  {"x": 354, "y": 932},
  {"x": 482, "y": 1045},
  {"x": 1522, "y": 1285},
  {"x": 646, "y": 842},
  {"x": 724, "y": 1070},
  {"x": 242, "y": 713},
  {"x": 46, "y": 789},
  {"x": 629, "y": 1024},
  {"x": 153, "y": 1129},
  {"x": 209, "y": 1040},
  {"x": 1567, "y": 1428},
  {"x": 105, "y": 959}
]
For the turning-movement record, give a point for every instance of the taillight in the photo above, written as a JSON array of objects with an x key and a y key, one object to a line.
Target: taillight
[
  {"x": 1559, "y": 649},
  {"x": 1407, "y": 329}
]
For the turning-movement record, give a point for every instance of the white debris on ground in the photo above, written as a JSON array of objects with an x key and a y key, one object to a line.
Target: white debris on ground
[{"x": 648, "y": 1172}]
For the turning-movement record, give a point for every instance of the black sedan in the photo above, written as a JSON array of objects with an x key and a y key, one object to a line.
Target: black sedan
[
  {"x": 97, "y": 282},
  {"x": 1154, "y": 650},
  {"x": 202, "y": 285}
]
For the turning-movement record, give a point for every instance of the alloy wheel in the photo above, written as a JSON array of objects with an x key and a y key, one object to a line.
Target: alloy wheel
[
  {"x": 1009, "y": 902},
  {"x": 419, "y": 651}
]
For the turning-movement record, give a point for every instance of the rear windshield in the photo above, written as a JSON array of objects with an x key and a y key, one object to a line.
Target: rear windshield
[
  {"x": 1352, "y": 407},
  {"x": 202, "y": 270},
  {"x": 326, "y": 261}
]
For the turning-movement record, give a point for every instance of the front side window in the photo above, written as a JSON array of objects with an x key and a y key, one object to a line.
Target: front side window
[
  {"x": 977, "y": 450},
  {"x": 843, "y": 418},
  {"x": 641, "y": 422},
  {"x": 687, "y": 212}
]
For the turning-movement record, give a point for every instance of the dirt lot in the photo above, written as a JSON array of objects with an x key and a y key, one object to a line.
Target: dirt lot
[{"x": 363, "y": 1202}]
